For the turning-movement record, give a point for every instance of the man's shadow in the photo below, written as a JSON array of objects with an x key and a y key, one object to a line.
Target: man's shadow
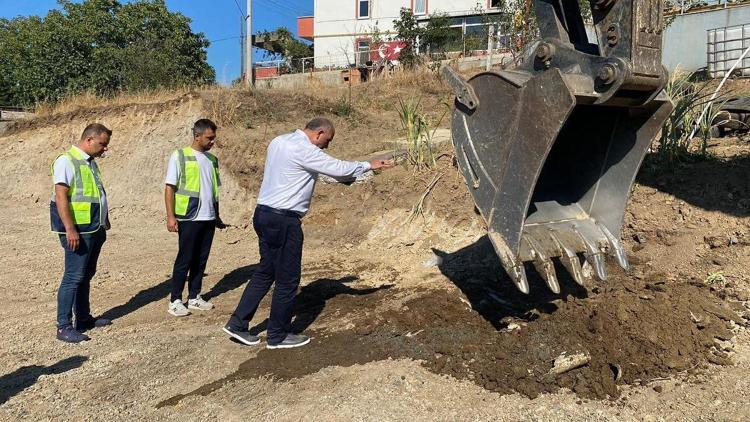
[
  {"x": 312, "y": 298},
  {"x": 229, "y": 282},
  {"x": 476, "y": 270},
  {"x": 26, "y": 376}
]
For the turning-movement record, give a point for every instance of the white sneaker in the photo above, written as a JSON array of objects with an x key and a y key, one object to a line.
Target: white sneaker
[
  {"x": 200, "y": 304},
  {"x": 178, "y": 309}
]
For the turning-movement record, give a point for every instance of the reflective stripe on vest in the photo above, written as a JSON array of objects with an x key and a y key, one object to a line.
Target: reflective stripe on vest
[
  {"x": 187, "y": 198},
  {"x": 84, "y": 195}
]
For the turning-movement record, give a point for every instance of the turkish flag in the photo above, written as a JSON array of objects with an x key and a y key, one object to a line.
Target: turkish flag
[{"x": 386, "y": 51}]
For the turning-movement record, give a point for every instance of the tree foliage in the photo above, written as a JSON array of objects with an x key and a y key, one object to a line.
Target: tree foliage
[
  {"x": 99, "y": 46},
  {"x": 281, "y": 42},
  {"x": 437, "y": 33},
  {"x": 407, "y": 30}
]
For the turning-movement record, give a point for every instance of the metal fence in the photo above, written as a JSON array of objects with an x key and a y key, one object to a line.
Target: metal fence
[
  {"x": 686, "y": 6},
  {"x": 487, "y": 42}
]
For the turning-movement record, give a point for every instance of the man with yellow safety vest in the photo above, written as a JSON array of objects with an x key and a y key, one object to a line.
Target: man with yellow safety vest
[
  {"x": 191, "y": 196},
  {"x": 79, "y": 214}
]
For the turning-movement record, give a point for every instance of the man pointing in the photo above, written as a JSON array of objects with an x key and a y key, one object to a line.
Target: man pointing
[{"x": 293, "y": 163}]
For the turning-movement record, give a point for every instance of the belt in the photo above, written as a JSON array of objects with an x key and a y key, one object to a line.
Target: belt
[{"x": 288, "y": 213}]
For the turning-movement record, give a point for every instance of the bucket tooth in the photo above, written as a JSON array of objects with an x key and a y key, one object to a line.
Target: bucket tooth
[
  {"x": 513, "y": 266},
  {"x": 594, "y": 256},
  {"x": 518, "y": 275},
  {"x": 570, "y": 260},
  {"x": 543, "y": 263},
  {"x": 600, "y": 266},
  {"x": 616, "y": 246}
]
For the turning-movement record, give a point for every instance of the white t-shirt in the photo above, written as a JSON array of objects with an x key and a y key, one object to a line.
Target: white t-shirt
[
  {"x": 206, "y": 212},
  {"x": 63, "y": 173}
]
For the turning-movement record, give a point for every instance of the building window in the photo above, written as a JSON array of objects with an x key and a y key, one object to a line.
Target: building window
[
  {"x": 363, "y": 52},
  {"x": 363, "y": 9},
  {"x": 494, "y": 4},
  {"x": 419, "y": 7}
]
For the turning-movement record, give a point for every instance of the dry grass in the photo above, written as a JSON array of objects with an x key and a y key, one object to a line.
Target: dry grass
[
  {"x": 372, "y": 104},
  {"x": 87, "y": 101}
]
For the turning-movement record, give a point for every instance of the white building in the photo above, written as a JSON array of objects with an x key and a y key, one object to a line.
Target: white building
[{"x": 343, "y": 30}]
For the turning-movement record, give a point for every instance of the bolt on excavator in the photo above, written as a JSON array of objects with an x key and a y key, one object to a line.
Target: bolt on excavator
[{"x": 550, "y": 148}]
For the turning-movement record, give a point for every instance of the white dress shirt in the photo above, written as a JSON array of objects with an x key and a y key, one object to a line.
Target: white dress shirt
[
  {"x": 292, "y": 167},
  {"x": 63, "y": 173}
]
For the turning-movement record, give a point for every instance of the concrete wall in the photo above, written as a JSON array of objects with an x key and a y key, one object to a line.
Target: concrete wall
[
  {"x": 299, "y": 80},
  {"x": 337, "y": 26},
  {"x": 685, "y": 40}
]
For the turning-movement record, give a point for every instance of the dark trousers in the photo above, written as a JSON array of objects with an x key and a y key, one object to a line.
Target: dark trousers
[
  {"x": 80, "y": 267},
  {"x": 195, "y": 239},
  {"x": 280, "y": 241}
]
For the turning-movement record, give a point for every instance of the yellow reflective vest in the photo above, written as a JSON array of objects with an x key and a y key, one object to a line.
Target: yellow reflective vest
[
  {"x": 84, "y": 196},
  {"x": 187, "y": 199}
]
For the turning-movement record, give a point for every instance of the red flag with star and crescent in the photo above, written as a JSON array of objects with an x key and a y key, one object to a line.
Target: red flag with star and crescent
[{"x": 386, "y": 51}]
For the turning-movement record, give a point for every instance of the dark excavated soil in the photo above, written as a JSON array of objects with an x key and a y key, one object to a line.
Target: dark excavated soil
[{"x": 638, "y": 330}]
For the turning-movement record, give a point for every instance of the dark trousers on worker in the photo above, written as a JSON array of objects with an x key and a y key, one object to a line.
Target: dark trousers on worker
[
  {"x": 80, "y": 267},
  {"x": 195, "y": 239},
  {"x": 280, "y": 241}
]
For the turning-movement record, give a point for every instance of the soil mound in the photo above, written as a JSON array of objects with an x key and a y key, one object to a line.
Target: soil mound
[{"x": 633, "y": 333}]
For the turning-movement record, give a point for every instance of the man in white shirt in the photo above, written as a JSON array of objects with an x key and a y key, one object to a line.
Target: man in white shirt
[
  {"x": 293, "y": 163},
  {"x": 79, "y": 215},
  {"x": 191, "y": 197}
]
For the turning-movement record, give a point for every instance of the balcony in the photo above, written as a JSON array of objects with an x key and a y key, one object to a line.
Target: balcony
[{"x": 306, "y": 27}]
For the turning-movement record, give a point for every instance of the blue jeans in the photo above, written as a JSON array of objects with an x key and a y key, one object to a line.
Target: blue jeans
[{"x": 80, "y": 267}]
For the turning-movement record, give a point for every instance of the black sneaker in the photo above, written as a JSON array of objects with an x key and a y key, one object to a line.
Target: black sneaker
[
  {"x": 92, "y": 322},
  {"x": 69, "y": 335},
  {"x": 243, "y": 337},
  {"x": 291, "y": 340}
]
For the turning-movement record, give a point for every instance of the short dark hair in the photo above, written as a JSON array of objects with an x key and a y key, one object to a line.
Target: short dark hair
[
  {"x": 94, "y": 130},
  {"x": 201, "y": 125},
  {"x": 319, "y": 123}
]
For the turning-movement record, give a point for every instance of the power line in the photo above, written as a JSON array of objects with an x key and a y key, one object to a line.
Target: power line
[
  {"x": 243, "y": 15},
  {"x": 285, "y": 9},
  {"x": 225, "y": 39},
  {"x": 285, "y": 6}
]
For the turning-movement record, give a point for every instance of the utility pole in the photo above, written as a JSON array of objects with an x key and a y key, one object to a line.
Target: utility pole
[
  {"x": 242, "y": 48},
  {"x": 490, "y": 46},
  {"x": 249, "y": 45}
]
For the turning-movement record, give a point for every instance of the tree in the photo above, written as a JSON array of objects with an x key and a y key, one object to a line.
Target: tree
[
  {"x": 282, "y": 42},
  {"x": 100, "y": 46},
  {"x": 408, "y": 30},
  {"x": 437, "y": 34}
]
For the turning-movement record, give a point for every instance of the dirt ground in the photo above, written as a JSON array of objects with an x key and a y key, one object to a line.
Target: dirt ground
[{"x": 410, "y": 320}]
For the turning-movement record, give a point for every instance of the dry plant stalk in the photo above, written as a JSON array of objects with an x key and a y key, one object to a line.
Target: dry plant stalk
[{"x": 418, "y": 208}]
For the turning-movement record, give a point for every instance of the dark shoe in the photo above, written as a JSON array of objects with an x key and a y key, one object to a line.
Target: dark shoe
[
  {"x": 92, "y": 322},
  {"x": 291, "y": 340},
  {"x": 69, "y": 335},
  {"x": 243, "y": 337}
]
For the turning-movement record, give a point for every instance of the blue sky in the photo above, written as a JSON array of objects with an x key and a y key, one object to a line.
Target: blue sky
[{"x": 218, "y": 19}]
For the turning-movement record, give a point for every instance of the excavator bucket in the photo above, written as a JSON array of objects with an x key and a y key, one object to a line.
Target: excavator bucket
[{"x": 551, "y": 148}]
